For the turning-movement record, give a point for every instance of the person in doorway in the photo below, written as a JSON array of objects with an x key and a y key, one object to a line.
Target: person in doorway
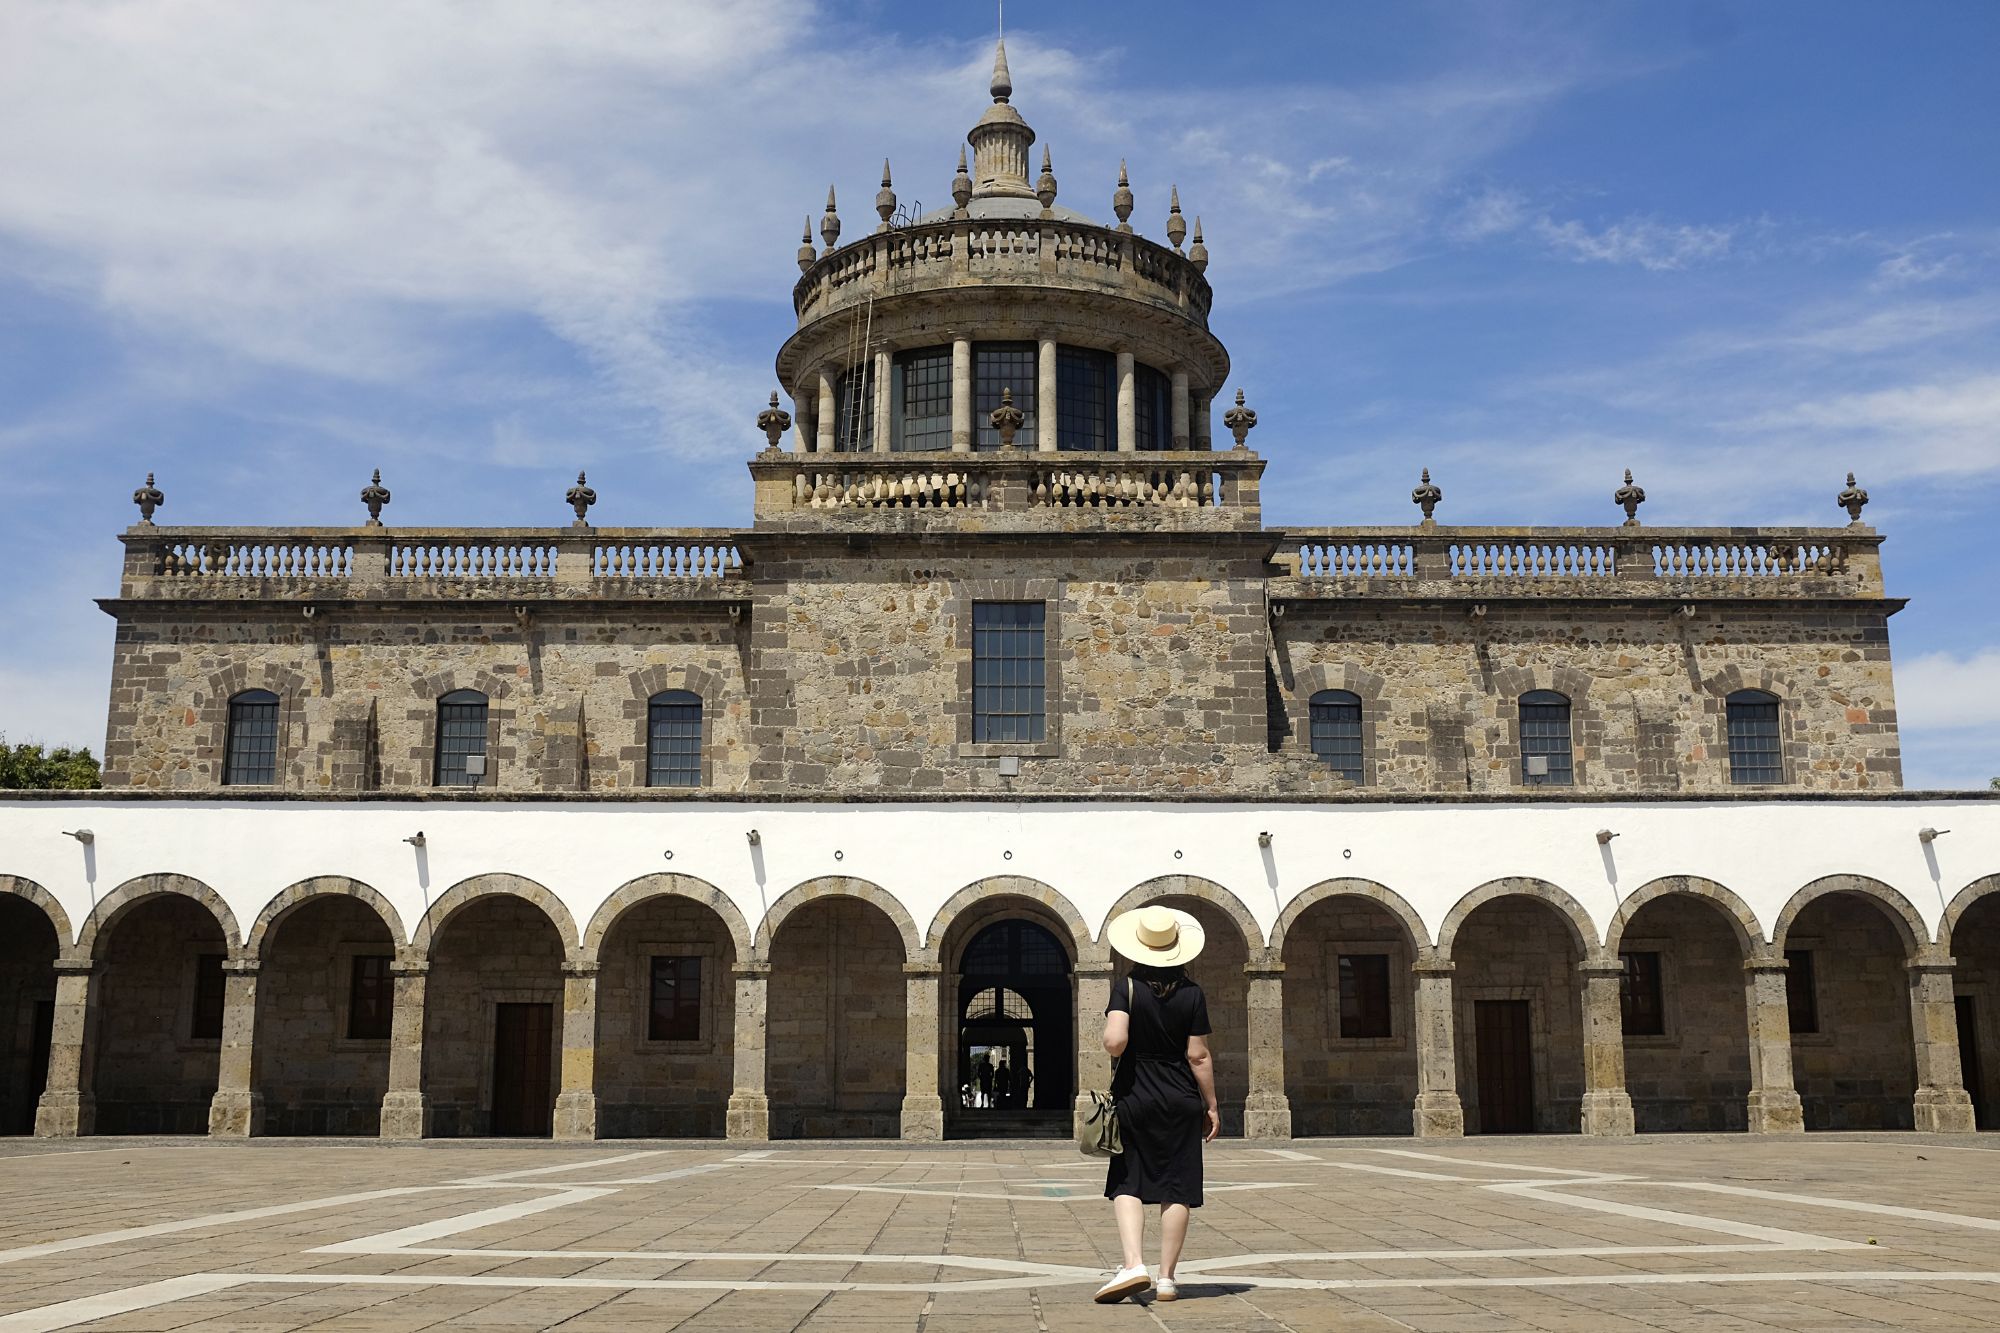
[
  {"x": 1003, "y": 1085},
  {"x": 984, "y": 1073},
  {"x": 1027, "y": 1084},
  {"x": 1157, "y": 1028}
]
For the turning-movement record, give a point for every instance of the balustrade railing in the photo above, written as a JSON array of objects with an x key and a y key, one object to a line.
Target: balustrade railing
[
  {"x": 254, "y": 559},
  {"x": 450, "y": 560},
  {"x": 1126, "y": 487},
  {"x": 1202, "y": 487},
  {"x": 905, "y": 488}
]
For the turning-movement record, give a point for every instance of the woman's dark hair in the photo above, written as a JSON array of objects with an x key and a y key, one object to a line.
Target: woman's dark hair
[{"x": 1162, "y": 981}]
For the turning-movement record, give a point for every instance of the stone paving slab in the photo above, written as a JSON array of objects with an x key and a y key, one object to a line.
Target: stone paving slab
[{"x": 1683, "y": 1233}]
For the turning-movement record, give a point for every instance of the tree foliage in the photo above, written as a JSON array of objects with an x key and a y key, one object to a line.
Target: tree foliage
[{"x": 31, "y": 767}]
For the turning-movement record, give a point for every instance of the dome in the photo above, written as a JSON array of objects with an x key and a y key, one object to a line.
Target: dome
[{"x": 1008, "y": 206}]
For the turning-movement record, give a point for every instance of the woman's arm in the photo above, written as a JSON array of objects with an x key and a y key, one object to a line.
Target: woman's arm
[
  {"x": 1203, "y": 1066},
  {"x": 1117, "y": 1032}
]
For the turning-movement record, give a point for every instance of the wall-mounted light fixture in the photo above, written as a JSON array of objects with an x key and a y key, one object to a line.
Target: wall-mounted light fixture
[
  {"x": 1604, "y": 837},
  {"x": 1931, "y": 835},
  {"x": 755, "y": 837},
  {"x": 1477, "y": 611},
  {"x": 1263, "y": 840},
  {"x": 416, "y": 840},
  {"x": 86, "y": 837}
]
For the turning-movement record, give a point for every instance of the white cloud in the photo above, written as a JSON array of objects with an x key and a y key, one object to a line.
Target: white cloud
[
  {"x": 1491, "y": 212},
  {"x": 1650, "y": 244},
  {"x": 1946, "y": 691}
]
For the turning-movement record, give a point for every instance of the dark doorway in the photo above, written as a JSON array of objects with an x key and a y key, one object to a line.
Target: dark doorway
[
  {"x": 1505, "y": 1061},
  {"x": 1014, "y": 1072},
  {"x": 1968, "y": 1057},
  {"x": 40, "y": 1039},
  {"x": 523, "y": 1095}
]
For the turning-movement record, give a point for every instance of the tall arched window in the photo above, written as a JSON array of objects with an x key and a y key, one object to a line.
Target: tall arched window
[
  {"x": 1545, "y": 745},
  {"x": 673, "y": 739},
  {"x": 997, "y": 367},
  {"x": 923, "y": 399},
  {"x": 1336, "y": 732},
  {"x": 1755, "y": 755},
  {"x": 461, "y": 739},
  {"x": 1152, "y": 409},
  {"x": 1083, "y": 400},
  {"x": 251, "y": 749}
]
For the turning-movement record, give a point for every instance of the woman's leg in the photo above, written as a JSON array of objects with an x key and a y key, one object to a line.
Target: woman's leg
[
  {"x": 1131, "y": 1215},
  {"x": 1173, "y": 1235}
]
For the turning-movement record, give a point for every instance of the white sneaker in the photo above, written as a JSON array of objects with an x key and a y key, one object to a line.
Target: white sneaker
[
  {"x": 1123, "y": 1283},
  {"x": 1165, "y": 1290}
]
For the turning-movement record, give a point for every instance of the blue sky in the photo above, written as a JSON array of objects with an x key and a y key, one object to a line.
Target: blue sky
[{"x": 262, "y": 248}]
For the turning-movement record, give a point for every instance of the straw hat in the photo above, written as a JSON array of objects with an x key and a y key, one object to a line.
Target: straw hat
[{"x": 1159, "y": 936}]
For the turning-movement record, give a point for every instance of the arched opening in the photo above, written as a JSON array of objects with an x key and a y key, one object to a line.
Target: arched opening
[
  {"x": 28, "y": 947},
  {"x": 493, "y": 1020},
  {"x": 1687, "y": 1041},
  {"x": 1350, "y": 1032},
  {"x": 324, "y": 997},
  {"x": 159, "y": 1026},
  {"x": 835, "y": 1042},
  {"x": 1519, "y": 1019},
  {"x": 1975, "y": 943},
  {"x": 1853, "y": 1054},
  {"x": 1012, "y": 1063},
  {"x": 666, "y": 1021}
]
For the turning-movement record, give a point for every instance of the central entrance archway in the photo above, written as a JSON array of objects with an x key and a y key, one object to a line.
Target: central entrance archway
[{"x": 1014, "y": 1066}]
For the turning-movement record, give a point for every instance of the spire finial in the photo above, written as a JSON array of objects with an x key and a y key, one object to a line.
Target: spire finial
[
  {"x": 1003, "y": 82},
  {"x": 806, "y": 255},
  {"x": 961, "y": 186},
  {"x": 1121, "y": 199},
  {"x": 774, "y": 421},
  {"x": 1045, "y": 188},
  {"x": 829, "y": 222},
  {"x": 149, "y": 498},
  {"x": 1241, "y": 420},
  {"x": 885, "y": 198},
  {"x": 375, "y": 495},
  {"x": 1176, "y": 224},
  {"x": 1198, "y": 253},
  {"x": 580, "y": 498}
]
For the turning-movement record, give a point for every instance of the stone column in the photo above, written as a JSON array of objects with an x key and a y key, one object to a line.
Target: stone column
[
  {"x": 1047, "y": 397},
  {"x": 804, "y": 398},
  {"x": 923, "y": 1109},
  {"x": 237, "y": 1109},
  {"x": 1198, "y": 427},
  {"x": 1267, "y": 1112},
  {"x": 405, "y": 1114},
  {"x": 749, "y": 1113},
  {"x": 67, "y": 1108},
  {"x": 827, "y": 417},
  {"x": 1180, "y": 410},
  {"x": 1438, "y": 1114},
  {"x": 961, "y": 395},
  {"x": 576, "y": 1103},
  {"x": 885, "y": 374},
  {"x": 1093, "y": 992},
  {"x": 1773, "y": 1106},
  {"x": 1943, "y": 1106},
  {"x": 1128, "y": 405},
  {"x": 1607, "y": 1107}
]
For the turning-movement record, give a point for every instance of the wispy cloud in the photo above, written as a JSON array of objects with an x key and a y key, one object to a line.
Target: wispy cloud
[{"x": 1649, "y": 243}]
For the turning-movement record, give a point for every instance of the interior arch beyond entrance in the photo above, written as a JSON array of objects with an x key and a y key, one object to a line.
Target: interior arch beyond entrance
[{"x": 1013, "y": 1066}]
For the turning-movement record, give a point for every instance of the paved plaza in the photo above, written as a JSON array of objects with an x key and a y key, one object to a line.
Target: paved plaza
[{"x": 1551, "y": 1233}]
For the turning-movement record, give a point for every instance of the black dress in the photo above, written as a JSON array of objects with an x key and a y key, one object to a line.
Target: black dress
[{"x": 1161, "y": 1118}]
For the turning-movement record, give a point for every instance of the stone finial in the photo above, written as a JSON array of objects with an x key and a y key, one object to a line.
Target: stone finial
[
  {"x": 1631, "y": 497},
  {"x": 149, "y": 498},
  {"x": 774, "y": 421},
  {"x": 1426, "y": 496},
  {"x": 885, "y": 198},
  {"x": 1007, "y": 418},
  {"x": 1240, "y": 420},
  {"x": 581, "y": 497},
  {"x": 1045, "y": 187},
  {"x": 1176, "y": 224},
  {"x": 806, "y": 255},
  {"x": 1003, "y": 82},
  {"x": 961, "y": 187},
  {"x": 1853, "y": 500},
  {"x": 1121, "y": 199},
  {"x": 829, "y": 222},
  {"x": 375, "y": 495},
  {"x": 1198, "y": 253}
]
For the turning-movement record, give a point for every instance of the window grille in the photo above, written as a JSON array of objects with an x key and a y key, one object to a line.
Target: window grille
[
  {"x": 1755, "y": 755},
  {"x": 673, "y": 740},
  {"x": 926, "y": 399},
  {"x": 675, "y": 1014},
  {"x": 1641, "y": 1001},
  {"x": 1336, "y": 732},
  {"x": 210, "y": 989},
  {"x": 1083, "y": 400},
  {"x": 1151, "y": 413},
  {"x": 370, "y": 998},
  {"x": 461, "y": 733},
  {"x": 1545, "y": 736},
  {"x": 1364, "y": 995},
  {"x": 854, "y": 417},
  {"x": 997, "y": 366},
  {"x": 1008, "y": 671},
  {"x": 251, "y": 748}
]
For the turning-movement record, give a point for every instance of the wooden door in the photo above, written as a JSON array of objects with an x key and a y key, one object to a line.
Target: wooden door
[
  {"x": 1503, "y": 1044},
  {"x": 1968, "y": 1057},
  {"x": 523, "y": 1094}
]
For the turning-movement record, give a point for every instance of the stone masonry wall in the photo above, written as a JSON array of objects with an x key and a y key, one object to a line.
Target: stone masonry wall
[
  {"x": 497, "y": 950},
  {"x": 27, "y": 978},
  {"x": 1346, "y": 1085},
  {"x": 1697, "y": 1075},
  {"x": 151, "y": 1076},
  {"x": 314, "y": 1077},
  {"x": 838, "y": 1013},
  {"x": 1515, "y": 949},
  {"x": 664, "y": 1089},
  {"x": 1859, "y": 1070}
]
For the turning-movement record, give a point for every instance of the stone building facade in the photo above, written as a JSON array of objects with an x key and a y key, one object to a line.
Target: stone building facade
[{"x": 788, "y": 829}]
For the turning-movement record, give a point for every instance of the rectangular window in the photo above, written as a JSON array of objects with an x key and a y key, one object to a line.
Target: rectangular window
[
  {"x": 1364, "y": 995},
  {"x": 461, "y": 734},
  {"x": 997, "y": 366},
  {"x": 1336, "y": 732},
  {"x": 210, "y": 986},
  {"x": 673, "y": 740},
  {"x": 1801, "y": 991},
  {"x": 370, "y": 997},
  {"x": 854, "y": 414},
  {"x": 676, "y": 1004},
  {"x": 252, "y": 744},
  {"x": 1545, "y": 749},
  {"x": 1754, "y": 754},
  {"x": 1083, "y": 400},
  {"x": 1008, "y": 671},
  {"x": 1640, "y": 1002},
  {"x": 1151, "y": 412},
  {"x": 926, "y": 404}
]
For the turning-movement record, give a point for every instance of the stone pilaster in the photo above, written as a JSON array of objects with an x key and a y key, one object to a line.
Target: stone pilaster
[
  {"x": 1267, "y": 1112},
  {"x": 1942, "y": 1104},
  {"x": 1607, "y": 1107},
  {"x": 1093, "y": 993},
  {"x": 237, "y": 1109},
  {"x": 961, "y": 395},
  {"x": 1046, "y": 391},
  {"x": 1199, "y": 428},
  {"x": 827, "y": 418},
  {"x": 1438, "y": 1114},
  {"x": 884, "y": 370},
  {"x": 1773, "y": 1106},
  {"x": 1128, "y": 404},
  {"x": 67, "y": 1108},
  {"x": 405, "y": 1114},
  {"x": 1180, "y": 410},
  {"x": 923, "y": 1109},
  {"x": 576, "y": 1103},
  {"x": 749, "y": 1114}
]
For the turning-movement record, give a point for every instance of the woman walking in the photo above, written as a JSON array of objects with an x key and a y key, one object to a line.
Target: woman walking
[{"x": 1157, "y": 1026}]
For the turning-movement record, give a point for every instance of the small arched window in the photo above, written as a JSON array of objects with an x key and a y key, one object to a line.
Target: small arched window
[
  {"x": 461, "y": 739},
  {"x": 1755, "y": 755},
  {"x": 1336, "y": 732},
  {"x": 251, "y": 749},
  {"x": 673, "y": 739},
  {"x": 1545, "y": 746}
]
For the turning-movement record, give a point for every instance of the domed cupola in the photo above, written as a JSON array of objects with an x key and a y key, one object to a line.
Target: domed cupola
[{"x": 1001, "y": 140}]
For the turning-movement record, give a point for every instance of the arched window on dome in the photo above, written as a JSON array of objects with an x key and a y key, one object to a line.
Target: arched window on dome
[
  {"x": 922, "y": 400},
  {"x": 998, "y": 366},
  {"x": 251, "y": 747},
  {"x": 1336, "y": 732},
  {"x": 1756, "y": 755},
  {"x": 461, "y": 740},
  {"x": 673, "y": 739},
  {"x": 1083, "y": 400},
  {"x": 1546, "y": 756}
]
